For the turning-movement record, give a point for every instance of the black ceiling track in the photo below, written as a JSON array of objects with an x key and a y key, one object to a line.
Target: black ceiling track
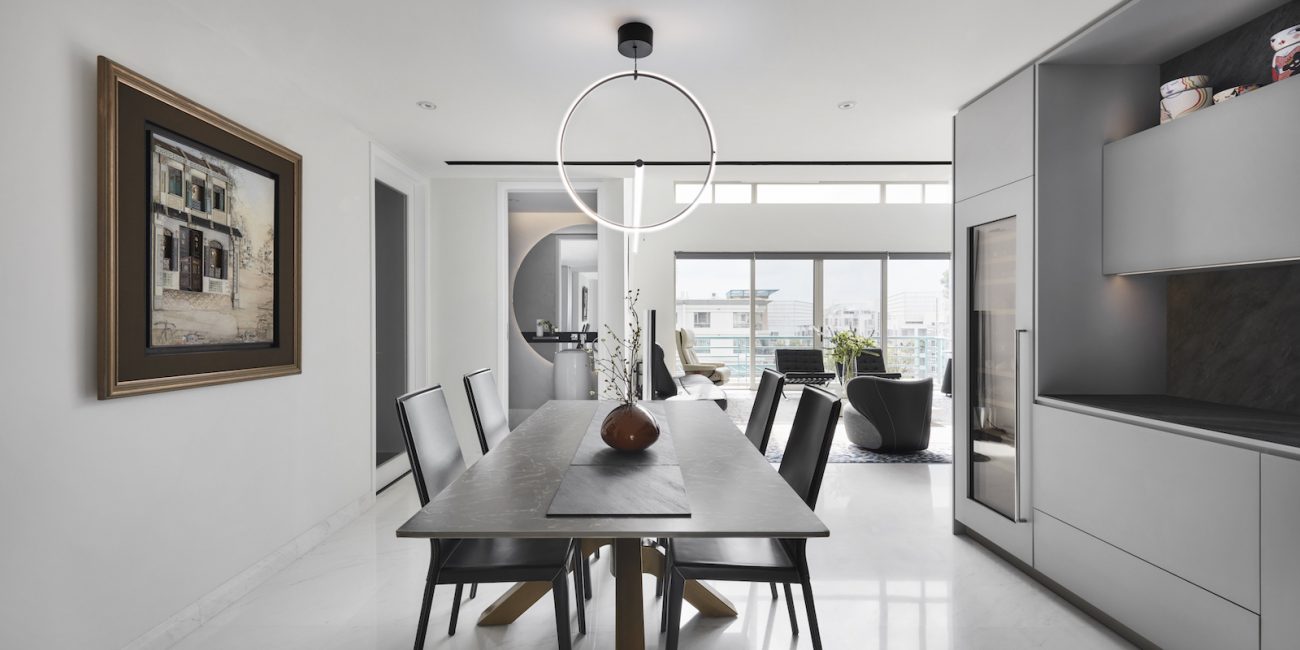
[{"x": 685, "y": 163}]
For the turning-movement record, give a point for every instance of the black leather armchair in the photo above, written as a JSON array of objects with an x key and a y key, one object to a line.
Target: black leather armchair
[
  {"x": 888, "y": 415},
  {"x": 803, "y": 366}
]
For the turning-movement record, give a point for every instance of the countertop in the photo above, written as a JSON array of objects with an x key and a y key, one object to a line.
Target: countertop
[{"x": 1256, "y": 424}]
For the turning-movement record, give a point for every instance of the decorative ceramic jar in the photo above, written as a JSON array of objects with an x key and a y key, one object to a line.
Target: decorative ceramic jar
[
  {"x": 629, "y": 427},
  {"x": 1235, "y": 91},
  {"x": 1188, "y": 101},
  {"x": 1286, "y": 52},
  {"x": 1171, "y": 88}
]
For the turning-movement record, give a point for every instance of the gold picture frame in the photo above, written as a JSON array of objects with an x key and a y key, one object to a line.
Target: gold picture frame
[{"x": 137, "y": 118}]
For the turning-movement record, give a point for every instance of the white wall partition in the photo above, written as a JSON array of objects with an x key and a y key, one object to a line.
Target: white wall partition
[{"x": 120, "y": 515}]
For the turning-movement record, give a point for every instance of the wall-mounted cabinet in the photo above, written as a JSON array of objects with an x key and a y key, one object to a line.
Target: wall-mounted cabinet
[
  {"x": 994, "y": 138},
  {"x": 1216, "y": 187}
]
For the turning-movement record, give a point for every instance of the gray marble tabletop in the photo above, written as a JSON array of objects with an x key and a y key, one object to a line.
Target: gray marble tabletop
[{"x": 733, "y": 490}]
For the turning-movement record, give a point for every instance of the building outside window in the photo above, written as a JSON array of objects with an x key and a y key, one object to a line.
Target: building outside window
[
  {"x": 174, "y": 181},
  {"x": 913, "y": 324},
  {"x": 198, "y": 194}
]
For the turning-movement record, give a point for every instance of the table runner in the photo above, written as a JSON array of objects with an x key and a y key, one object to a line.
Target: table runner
[{"x": 603, "y": 482}]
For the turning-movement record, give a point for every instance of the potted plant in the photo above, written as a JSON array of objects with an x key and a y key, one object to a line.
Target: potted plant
[{"x": 845, "y": 347}]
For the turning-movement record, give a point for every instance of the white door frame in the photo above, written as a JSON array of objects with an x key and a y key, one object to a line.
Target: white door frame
[
  {"x": 389, "y": 170},
  {"x": 504, "y": 188}
]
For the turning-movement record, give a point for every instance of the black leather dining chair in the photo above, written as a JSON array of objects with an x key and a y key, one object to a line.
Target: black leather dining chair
[
  {"x": 764, "y": 560},
  {"x": 493, "y": 425},
  {"x": 490, "y": 418},
  {"x": 763, "y": 413},
  {"x": 436, "y": 461}
]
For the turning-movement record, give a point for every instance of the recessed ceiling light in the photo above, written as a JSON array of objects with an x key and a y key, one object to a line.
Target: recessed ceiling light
[
  {"x": 427, "y": 105},
  {"x": 845, "y": 106}
]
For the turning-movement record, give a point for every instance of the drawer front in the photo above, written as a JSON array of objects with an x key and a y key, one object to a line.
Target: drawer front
[
  {"x": 1188, "y": 506},
  {"x": 1163, "y": 608},
  {"x": 994, "y": 138},
  {"x": 1280, "y": 545}
]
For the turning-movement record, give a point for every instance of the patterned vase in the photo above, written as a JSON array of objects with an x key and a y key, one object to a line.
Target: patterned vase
[
  {"x": 1286, "y": 52},
  {"x": 629, "y": 427}
]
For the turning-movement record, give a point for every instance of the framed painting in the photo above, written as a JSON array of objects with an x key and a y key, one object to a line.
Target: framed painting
[{"x": 200, "y": 248}]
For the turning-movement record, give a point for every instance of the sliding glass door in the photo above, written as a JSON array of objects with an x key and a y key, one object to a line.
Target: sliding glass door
[
  {"x": 713, "y": 302},
  {"x": 783, "y": 309},
  {"x": 742, "y": 307}
]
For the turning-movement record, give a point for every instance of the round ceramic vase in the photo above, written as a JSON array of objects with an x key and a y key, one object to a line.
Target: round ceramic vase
[
  {"x": 1188, "y": 101},
  {"x": 629, "y": 427},
  {"x": 1235, "y": 91},
  {"x": 1286, "y": 62},
  {"x": 1171, "y": 88}
]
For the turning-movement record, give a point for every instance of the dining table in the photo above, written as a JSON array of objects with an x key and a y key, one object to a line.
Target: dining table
[{"x": 548, "y": 479}]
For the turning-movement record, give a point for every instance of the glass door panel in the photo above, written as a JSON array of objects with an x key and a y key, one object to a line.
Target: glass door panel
[
  {"x": 993, "y": 364},
  {"x": 920, "y": 322},
  {"x": 783, "y": 308},
  {"x": 713, "y": 301}
]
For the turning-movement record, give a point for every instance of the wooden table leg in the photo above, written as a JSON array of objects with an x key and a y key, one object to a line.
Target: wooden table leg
[
  {"x": 704, "y": 598},
  {"x": 629, "y": 610}
]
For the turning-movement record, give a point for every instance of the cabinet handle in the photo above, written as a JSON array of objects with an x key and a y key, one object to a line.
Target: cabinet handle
[{"x": 1019, "y": 431}]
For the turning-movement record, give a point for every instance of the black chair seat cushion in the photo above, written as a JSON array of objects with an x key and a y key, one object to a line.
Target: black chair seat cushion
[
  {"x": 731, "y": 557},
  {"x": 509, "y": 556}
]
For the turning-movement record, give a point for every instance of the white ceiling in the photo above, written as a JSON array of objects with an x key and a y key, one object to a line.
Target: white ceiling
[{"x": 769, "y": 72}]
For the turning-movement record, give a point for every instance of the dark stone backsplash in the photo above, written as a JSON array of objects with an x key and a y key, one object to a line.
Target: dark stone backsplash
[
  {"x": 1232, "y": 337},
  {"x": 1240, "y": 56}
]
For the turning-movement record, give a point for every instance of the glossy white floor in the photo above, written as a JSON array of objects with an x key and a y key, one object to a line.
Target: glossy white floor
[{"x": 891, "y": 576}]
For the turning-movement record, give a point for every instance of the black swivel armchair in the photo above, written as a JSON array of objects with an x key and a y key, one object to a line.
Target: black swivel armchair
[{"x": 888, "y": 415}]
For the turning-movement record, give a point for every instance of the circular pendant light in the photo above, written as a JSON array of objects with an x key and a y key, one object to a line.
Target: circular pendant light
[{"x": 636, "y": 40}]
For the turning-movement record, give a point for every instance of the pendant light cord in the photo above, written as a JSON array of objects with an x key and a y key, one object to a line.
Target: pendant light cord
[{"x": 635, "y": 59}]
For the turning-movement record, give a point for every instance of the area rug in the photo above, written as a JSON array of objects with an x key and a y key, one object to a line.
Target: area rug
[{"x": 739, "y": 403}]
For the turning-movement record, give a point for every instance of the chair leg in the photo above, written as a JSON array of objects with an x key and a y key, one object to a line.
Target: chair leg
[
  {"x": 473, "y": 591},
  {"x": 560, "y": 594},
  {"x": 789, "y": 603},
  {"x": 773, "y": 586},
  {"x": 668, "y": 581},
  {"x": 676, "y": 587},
  {"x": 662, "y": 542},
  {"x": 812, "y": 612},
  {"x": 422, "y": 628},
  {"x": 579, "y": 582},
  {"x": 586, "y": 575},
  {"x": 455, "y": 611}
]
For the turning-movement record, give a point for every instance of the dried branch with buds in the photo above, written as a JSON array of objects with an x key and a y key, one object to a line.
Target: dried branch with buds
[{"x": 616, "y": 362}]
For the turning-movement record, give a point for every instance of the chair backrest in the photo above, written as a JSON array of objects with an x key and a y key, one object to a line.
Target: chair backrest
[
  {"x": 686, "y": 347},
  {"x": 899, "y": 408},
  {"x": 809, "y": 447},
  {"x": 799, "y": 360},
  {"x": 431, "y": 443},
  {"x": 761, "y": 416},
  {"x": 871, "y": 360},
  {"x": 490, "y": 417},
  {"x": 661, "y": 381}
]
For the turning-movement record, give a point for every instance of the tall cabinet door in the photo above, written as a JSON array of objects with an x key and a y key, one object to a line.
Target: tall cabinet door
[{"x": 993, "y": 364}]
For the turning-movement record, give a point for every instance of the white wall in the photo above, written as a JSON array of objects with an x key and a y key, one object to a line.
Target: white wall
[
  {"x": 725, "y": 228},
  {"x": 468, "y": 275},
  {"x": 118, "y": 514}
]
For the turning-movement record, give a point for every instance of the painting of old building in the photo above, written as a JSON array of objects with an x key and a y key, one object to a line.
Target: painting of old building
[{"x": 213, "y": 261}]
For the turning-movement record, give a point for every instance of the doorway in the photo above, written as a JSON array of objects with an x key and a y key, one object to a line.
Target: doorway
[{"x": 390, "y": 293}]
